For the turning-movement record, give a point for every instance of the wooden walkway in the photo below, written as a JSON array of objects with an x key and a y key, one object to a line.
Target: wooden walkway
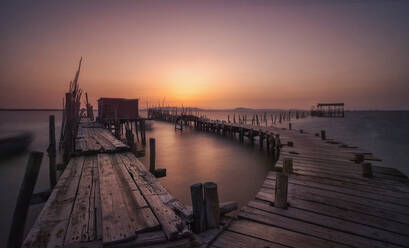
[
  {"x": 330, "y": 203},
  {"x": 106, "y": 197}
]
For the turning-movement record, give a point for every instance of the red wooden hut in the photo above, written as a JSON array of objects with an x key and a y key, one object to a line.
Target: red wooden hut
[{"x": 117, "y": 109}]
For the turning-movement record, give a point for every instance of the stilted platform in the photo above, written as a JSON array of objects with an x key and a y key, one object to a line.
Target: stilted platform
[{"x": 106, "y": 197}]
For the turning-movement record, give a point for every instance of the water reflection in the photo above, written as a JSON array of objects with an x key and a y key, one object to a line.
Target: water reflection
[{"x": 191, "y": 157}]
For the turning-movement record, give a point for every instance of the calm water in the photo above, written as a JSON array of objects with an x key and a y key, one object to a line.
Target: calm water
[{"x": 192, "y": 157}]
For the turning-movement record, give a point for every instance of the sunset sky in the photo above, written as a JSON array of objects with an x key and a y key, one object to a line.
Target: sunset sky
[{"x": 210, "y": 54}]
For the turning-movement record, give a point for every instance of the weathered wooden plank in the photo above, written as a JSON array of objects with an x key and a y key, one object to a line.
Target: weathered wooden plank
[
  {"x": 375, "y": 203},
  {"x": 79, "y": 228},
  {"x": 105, "y": 144},
  {"x": 280, "y": 236},
  {"x": 97, "y": 202},
  {"x": 359, "y": 180},
  {"x": 342, "y": 189},
  {"x": 380, "y": 191},
  {"x": 119, "y": 145},
  {"x": 51, "y": 224},
  {"x": 115, "y": 217},
  {"x": 133, "y": 164},
  {"x": 268, "y": 195},
  {"x": 334, "y": 223},
  {"x": 144, "y": 218},
  {"x": 145, "y": 239},
  {"x": 171, "y": 224},
  {"x": 236, "y": 240},
  {"x": 310, "y": 229}
]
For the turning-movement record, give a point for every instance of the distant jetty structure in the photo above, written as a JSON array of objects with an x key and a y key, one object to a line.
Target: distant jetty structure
[
  {"x": 320, "y": 192},
  {"x": 329, "y": 110}
]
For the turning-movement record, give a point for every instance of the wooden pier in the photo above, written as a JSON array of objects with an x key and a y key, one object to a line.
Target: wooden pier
[
  {"x": 329, "y": 110},
  {"x": 331, "y": 195},
  {"x": 106, "y": 197}
]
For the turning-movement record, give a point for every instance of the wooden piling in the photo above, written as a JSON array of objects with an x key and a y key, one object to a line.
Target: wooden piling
[
  {"x": 367, "y": 170},
  {"x": 152, "y": 155},
  {"x": 290, "y": 126},
  {"x": 52, "y": 152},
  {"x": 359, "y": 158},
  {"x": 143, "y": 132},
  {"x": 199, "y": 218},
  {"x": 288, "y": 165},
  {"x": 211, "y": 198},
  {"x": 281, "y": 191},
  {"x": 23, "y": 201},
  {"x": 323, "y": 135}
]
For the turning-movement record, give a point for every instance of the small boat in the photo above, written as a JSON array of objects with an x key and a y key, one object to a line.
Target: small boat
[
  {"x": 148, "y": 125},
  {"x": 14, "y": 142}
]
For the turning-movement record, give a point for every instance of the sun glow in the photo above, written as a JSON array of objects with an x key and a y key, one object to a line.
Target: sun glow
[{"x": 187, "y": 83}]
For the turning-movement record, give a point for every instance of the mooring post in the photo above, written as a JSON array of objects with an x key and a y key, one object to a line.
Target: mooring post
[
  {"x": 52, "y": 152},
  {"x": 323, "y": 135},
  {"x": 211, "y": 199},
  {"x": 23, "y": 201},
  {"x": 288, "y": 165},
  {"x": 152, "y": 154},
  {"x": 367, "y": 170},
  {"x": 281, "y": 190},
  {"x": 199, "y": 218}
]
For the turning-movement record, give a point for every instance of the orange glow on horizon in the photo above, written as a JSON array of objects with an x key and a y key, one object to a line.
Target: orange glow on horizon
[{"x": 209, "y": 54}]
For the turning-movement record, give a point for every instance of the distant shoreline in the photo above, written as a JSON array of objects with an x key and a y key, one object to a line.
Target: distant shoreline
[{"x": 11, "y": 109}]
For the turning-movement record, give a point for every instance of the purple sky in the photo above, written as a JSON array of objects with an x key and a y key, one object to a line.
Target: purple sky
[{"x": 214, "y": 54}]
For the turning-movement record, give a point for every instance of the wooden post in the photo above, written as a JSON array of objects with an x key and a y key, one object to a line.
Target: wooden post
[
  {"x": 68, "y": 128},
  {"x": 199, "y": 218},
  {"x": 211, "y": 198},
  {"x": 281, "y": 190},
  {"x": 367, "y": 170},
  {"x": 143, "y": 132},
  {"x": 268, "y": 142},
  {"x": 359, "y": 158},
  {"x": 301, "y": 131},
  {"x": 152, "y": 154},
  {"x": 288, "y": 165},
  {"x": 23, "y": 201},
  {"x": 290, "y": 126},
  {"x": 129, "y": 135},
  {"x": 52, "y": 152},
  {"x": 323, "y": 135}
]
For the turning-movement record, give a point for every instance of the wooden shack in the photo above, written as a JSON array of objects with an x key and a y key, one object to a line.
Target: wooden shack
[
  {"x": 117, "y": 109},
  {"x": 329, "y": 110}
]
